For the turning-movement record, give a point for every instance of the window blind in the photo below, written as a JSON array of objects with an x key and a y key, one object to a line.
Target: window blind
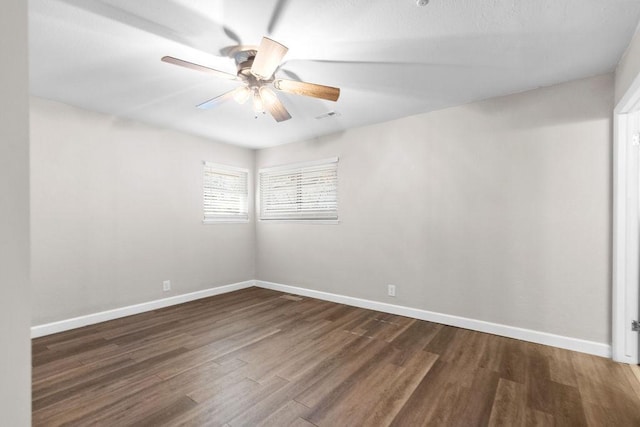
[
  {"x": 225, "y": 193},
  {"x": 306, "y": 191}
]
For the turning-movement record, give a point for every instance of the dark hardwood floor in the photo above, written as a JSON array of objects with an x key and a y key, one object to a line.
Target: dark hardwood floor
[{"x": 259, "y": 357}]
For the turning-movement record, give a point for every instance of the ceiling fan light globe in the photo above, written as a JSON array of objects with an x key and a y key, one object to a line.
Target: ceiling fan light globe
[
  {"x": 258, "y": 104},
  {"x": 241, "y": 94}
]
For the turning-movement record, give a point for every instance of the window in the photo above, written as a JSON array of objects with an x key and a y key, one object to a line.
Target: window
[
  {"x": 303, "y": 191},
  {"x": 225, "y": 193}
]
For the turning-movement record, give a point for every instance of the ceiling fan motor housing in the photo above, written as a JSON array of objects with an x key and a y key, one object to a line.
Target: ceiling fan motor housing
[{"x": 244, "y": 61}]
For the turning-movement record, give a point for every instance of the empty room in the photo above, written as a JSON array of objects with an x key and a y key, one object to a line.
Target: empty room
[{"x": 330, "y": 213}]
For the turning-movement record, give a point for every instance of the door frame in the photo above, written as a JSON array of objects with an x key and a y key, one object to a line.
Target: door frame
[{"x": 626, "y": 233}]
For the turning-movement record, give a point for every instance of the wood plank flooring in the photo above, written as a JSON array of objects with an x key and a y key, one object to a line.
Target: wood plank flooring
[{"x": 259, "y": 357}]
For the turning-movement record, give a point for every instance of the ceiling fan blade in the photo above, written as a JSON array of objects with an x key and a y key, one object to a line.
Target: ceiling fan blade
[
  {"x": 232, "y": 35},
  {"x": 269, "y": 55},
  {"x": 191, "y": 65},
  {"x": 277, "y": 110},
  {"x": 357, "y": 62},
  {"x": 409, "y": 65},
  {"x": 275, "y": 16},
  {"x": 291, "y": 74},
  {"x": 178, "y": 23},
  {"x": 273, "y": 105},
  {"x": 214, "y": 102},
  {"x": 307, "y": 89}
]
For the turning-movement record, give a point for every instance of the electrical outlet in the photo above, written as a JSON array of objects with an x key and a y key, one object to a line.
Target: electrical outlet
[
  {"x": 391, "y": 290},
  {"x": 166, "y": 285}
]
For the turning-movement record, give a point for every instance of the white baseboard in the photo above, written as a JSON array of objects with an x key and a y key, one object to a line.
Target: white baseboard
[
  {"x": 103, "y": 316},
  {"x": 575, "y": 344}
]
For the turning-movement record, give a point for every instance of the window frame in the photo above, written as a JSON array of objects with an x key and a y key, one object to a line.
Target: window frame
[
  {"x": 241, "y": 218},
  {"x": 297, "y": 166}
]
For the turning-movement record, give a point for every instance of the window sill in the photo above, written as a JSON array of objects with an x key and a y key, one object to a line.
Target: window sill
[
  {"x": 225, "y": 221},
  {"x": 302, "y": 221}
]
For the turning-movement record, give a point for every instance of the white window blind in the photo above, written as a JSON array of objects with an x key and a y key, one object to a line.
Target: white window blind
[
  {"x": 306, "y": 191},
  {"x": 225, "y": 193}
]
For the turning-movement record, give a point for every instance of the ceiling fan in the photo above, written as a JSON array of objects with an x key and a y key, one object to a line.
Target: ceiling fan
[{"x": 256, "y": 68}]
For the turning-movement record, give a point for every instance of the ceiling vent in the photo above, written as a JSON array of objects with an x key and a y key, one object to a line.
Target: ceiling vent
[{"x": 327, "y": 115}]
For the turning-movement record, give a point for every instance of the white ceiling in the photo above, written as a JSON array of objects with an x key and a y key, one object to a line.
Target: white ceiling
[{"x": 390, "y": 58}]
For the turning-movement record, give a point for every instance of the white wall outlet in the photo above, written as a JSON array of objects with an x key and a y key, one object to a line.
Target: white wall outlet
[
  {"x": 166, "y": 285},
  {"x": 391, "y": 290}
]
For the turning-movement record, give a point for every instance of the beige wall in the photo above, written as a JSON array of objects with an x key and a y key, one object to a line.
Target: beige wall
[
  {"x": 497, "y": 211},
  {"x": 15, "y": 346},
  {"x": 117, "y": 209},
  {"x": 628, "y": 67}
]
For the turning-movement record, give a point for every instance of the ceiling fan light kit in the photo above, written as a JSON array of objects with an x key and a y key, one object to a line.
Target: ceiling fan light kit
[
  {"x": 256, "y": 68},
  {"x": 258, "y": 105},
  {"x": 241, "y": 94}
]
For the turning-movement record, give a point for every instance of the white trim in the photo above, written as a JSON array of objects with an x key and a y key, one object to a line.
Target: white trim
[
  {"x": 630, "y": 99},
  {"x": 302, "y": 221},
  {"x": 225, "y": 221},
  {"x": 575, "y": 344},
  {"x": 624, "y": 290},
  {"x": 116, "y": 313},
  {"x": 224, "y": 167},
  {"x": 299, "y": 165},
  {"x": 618, "y": 242}
]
